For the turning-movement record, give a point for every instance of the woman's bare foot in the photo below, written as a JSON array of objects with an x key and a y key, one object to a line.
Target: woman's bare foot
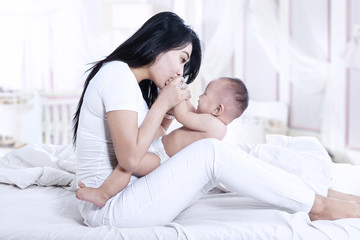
[
  {"x": 343, "y": 196},
  {"x": 326, "y": 208},
  {"x": 94, "y": 195}
]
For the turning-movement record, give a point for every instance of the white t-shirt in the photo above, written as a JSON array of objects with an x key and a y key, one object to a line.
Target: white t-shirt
[{"x": 114, "y": 87}]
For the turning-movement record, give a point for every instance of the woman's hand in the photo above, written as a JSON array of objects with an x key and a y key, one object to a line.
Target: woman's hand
[{"x": 174, "y": 92}]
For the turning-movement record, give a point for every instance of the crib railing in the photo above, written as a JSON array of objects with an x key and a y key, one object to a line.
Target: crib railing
[{"x": 58, "y": 109}]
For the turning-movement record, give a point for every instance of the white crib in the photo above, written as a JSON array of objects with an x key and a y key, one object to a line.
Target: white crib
[
  {"x": 15, "y": 106},
  {"x": 57, "y": 110}
]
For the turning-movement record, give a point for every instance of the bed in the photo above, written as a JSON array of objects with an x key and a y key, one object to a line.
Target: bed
[{"x": 37, "y": 201}]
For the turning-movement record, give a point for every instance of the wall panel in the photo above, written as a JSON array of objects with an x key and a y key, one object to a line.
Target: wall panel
[
  {"x": 313, "y": 39},
  {"x": 353, "y": 85},
  {"x": 259, "y": 74}
]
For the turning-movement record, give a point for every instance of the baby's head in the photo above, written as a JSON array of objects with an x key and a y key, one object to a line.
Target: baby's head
[{"x": 226, "y": 98}]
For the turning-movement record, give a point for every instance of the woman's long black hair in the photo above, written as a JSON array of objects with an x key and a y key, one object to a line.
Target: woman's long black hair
[{"x": 162, "y": 32}]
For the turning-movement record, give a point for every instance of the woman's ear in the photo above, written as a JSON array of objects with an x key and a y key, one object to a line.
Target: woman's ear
[{"x": 218, "y": 110}]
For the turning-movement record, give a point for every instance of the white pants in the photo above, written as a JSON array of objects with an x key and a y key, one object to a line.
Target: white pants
[{"x": 156, "y": 199}]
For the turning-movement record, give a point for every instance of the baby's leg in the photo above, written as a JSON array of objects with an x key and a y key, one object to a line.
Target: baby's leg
[
  {"x": 116, "y": 182},
  {"x": 147, "y": 165},
  {"x": 93, "y": 195}
]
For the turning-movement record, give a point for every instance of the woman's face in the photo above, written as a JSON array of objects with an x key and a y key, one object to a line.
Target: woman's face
[{"x": 169, "y": 64}]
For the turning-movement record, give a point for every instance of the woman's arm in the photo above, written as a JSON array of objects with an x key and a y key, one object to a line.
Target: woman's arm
[
  {"x": 165, "y": 124},
  {"x": 132, "y": 142}
]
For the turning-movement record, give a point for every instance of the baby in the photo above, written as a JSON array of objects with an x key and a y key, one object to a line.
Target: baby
[{"x": 224, "y": 100}]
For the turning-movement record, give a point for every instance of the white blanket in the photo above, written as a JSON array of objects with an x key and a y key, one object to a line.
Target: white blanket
[
  {"x": 43, "y": 165},
  {"x": 304, "y": 157}
]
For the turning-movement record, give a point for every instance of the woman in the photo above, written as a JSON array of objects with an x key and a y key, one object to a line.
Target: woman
[{"x": 121, "y": 111}]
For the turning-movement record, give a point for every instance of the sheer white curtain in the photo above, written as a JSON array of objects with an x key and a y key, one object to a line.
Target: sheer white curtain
[
  {"x": 312, "y": 73},
  {"x": 45, "y": 44},
  {"x": 220, "y": 48}
]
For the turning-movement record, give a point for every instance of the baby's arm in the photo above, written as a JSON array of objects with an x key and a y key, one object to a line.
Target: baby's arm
[
  {"x": 116, "y": 181},
  {"x": 201, "y": 122}
]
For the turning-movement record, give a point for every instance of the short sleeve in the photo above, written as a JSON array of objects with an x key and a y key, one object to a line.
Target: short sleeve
[{"x": 119, "y": 89}]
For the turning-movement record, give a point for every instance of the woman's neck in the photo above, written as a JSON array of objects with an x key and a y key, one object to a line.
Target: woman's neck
[{"x": 140, "y": 73}]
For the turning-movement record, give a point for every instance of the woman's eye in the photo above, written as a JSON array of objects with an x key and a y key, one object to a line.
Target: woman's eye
[{"x": 183, "y": 60}]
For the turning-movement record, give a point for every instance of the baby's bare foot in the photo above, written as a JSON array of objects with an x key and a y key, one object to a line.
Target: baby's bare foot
[{"x": 93, "y": 195}]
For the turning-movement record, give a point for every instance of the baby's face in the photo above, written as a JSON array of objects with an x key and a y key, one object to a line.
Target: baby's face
[{"x": 211, "y": 98}]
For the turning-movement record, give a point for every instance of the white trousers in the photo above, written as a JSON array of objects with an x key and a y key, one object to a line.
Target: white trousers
[{"x": 156, "y": 199}]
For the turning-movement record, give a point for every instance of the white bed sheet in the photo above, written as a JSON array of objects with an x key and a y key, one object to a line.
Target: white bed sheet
[{"x": 50, "y": 212}]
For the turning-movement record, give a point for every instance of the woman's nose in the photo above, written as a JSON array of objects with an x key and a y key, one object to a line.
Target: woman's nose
[{"x": 180, "y": 71}]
